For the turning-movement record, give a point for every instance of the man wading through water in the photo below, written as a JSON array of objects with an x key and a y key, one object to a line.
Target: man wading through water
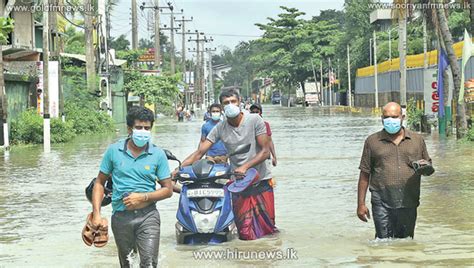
[
  {"x": 392, "y": 163},
  {"x": 135, "y": 165},
  {"x": 253, "y": 208}
]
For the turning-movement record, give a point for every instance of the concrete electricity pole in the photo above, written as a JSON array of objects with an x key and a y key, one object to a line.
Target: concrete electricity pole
[
  {"x": 172, "y": 31},
  {"x": 349, "y": 90},
  {"x": 182, "y": 23},
  {"x": 402, "y": 48},
  {"x": 134, "y": 25},
  {"x": 376, "y": 72},
  {"x": 211, "y": 74},
  {"x": 156, "y": 8},
  {"x": 197, "y": 80},
  {"x": 90, "y": 53},
  {"x": 322, "y": 82},
  {"x": 330, "y": 82},
  {"x": 46, "y": 115}
]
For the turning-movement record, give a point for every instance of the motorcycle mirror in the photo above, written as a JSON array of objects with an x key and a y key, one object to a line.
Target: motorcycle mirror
[
  {"x": 241, "y": 149},
  {"x": 170, "y": 155}
]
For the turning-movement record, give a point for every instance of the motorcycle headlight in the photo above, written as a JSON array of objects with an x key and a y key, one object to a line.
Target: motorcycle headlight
[
  {"x": 205, "y": 223},
  {"x": 220, "y": 173}
]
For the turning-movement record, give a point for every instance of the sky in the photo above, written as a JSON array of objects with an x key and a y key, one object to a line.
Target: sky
[{"x": 227, "y": 21}]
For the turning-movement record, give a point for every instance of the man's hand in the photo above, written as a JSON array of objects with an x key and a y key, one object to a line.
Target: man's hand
[
  {"x": 174, "y": 173},
  {"x": 423, "y": 162},
  {"x": 362, "y": 212},
  {"x": 96, "y": 220},
  {"x": 274, "y": 161},
  {"x": 134, "y": 201},
  {"x": 241, "y": 170}
]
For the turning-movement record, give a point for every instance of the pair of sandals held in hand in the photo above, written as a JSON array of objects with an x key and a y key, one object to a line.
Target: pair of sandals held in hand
[{"x": 96, "y": 235}]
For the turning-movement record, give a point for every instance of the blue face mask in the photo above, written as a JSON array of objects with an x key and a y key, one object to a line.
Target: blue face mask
[
  {"x": 216, "y": 116},
  {"x": 231, "y": 110},
  {"x": 392, "y": 125},
  {"x": 141, "y": 137}
]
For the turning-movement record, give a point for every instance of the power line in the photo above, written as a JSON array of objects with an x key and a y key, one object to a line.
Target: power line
[{"x": 236, "y": 35}]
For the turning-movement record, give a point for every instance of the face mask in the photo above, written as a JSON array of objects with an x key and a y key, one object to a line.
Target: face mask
[
  {"x": 216, "y": 116},
  {"x": 141, "y": 137},
  {"x": 392, "y": 125},
  {"x": 231, "y": 110}
]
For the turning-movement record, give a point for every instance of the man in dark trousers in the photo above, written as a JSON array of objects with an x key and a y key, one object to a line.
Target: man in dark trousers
[
  {"x": 392, "y": 163},
  {"x": 135, "y": 165}
]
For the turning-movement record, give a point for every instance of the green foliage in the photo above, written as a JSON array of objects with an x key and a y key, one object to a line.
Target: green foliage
[
  {"x": 28, "y": 128},
  {"x": 145, "y": 43},
  {"x": 75, "y": 41},
  {"x": 130, "y": 56},
  {"x": 6, "y": 27},
  {"x": 470, "y": 135},
  {"x": 414, "y": 115},
  {"x": 161, "y": 90},
  {"x": 87, "y": 120},
  {"x": 120, "y": 43}
]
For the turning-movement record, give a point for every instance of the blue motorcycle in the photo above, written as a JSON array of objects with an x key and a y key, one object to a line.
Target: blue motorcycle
[{"x": 205, "y": 211}]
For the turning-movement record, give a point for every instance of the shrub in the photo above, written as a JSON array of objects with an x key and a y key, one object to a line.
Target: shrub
[
  {"x": 86, "y": 120},
  {"x": 470, "y": 135},
  {"x": 28, "y": 128}
]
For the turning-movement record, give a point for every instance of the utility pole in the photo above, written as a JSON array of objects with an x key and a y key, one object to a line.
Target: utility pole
[
  {"x": 314, "y": 75},
  {"x": 425, "y": 44},
  {"x": 211, "y": 74},
  {"x": 183, "y": 61},
  {"x": 46, "y": 115},
  {"x": 134, "y": 25},
  {"x": 330, "y": 82},
  {"x": 402, "y": 48},
  {"x": 390, "y": 45},
  {"x": 156, "y": 8},
  {"x": 55, "y": 53},
  {"x": 376, "y": 72},
  {"x": 322, "y": 82},
  {"x": 349, "y": 90},
  {"x": 104, "y": 58},
  {"x": 197, "y": 80},
  {"x": 90, "y": 54},
  {"x": 338, "y": 80},
  {"x": 370, "y": 51},
  {"x": 172, "y": 31},
  {"x": 182, "y": 23}
]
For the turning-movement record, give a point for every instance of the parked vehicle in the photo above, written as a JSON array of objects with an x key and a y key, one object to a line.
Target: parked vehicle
[{"x": 276, "y": 97}]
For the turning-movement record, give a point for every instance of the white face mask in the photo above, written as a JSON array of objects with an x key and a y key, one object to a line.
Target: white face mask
[
  {"x": 216, "y": 116},
  {"x": 231, "y": 110}
]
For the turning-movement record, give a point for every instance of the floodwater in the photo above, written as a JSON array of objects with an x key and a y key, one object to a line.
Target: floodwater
[{"x": 43, "y": 207}]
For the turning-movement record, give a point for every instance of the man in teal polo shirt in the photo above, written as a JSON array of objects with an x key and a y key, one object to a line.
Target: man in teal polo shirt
[{"x": 135, "y": 165}]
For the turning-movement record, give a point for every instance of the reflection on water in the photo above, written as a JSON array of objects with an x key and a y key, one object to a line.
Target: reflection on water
[{"x": 43, "y": 207}]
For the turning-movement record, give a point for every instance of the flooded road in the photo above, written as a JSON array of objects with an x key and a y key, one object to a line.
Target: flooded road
[{"x": 43, "y": 207}]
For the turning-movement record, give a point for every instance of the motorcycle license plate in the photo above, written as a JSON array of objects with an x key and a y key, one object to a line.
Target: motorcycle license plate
[{"x": 205, "y": 193}]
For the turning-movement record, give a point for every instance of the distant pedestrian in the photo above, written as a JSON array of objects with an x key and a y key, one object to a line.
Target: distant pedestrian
[
  {"x": 257, "y": 109},
  {"x": 392, "y": 163}
]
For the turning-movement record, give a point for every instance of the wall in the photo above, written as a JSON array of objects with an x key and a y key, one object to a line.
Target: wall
[{"x": 389, "y": 86}]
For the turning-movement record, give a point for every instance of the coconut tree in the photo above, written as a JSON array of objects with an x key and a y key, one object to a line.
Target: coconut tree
[{"x": 438, "y": 18}]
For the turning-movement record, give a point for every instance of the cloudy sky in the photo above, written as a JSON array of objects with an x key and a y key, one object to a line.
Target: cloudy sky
[{"x": 227, "y": 21}]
